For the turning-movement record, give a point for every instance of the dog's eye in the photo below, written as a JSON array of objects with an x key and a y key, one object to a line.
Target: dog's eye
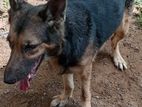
[{"x": 28, "y": 47}]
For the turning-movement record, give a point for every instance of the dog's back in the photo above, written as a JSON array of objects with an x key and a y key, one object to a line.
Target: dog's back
[
  {"x": 90, "y": 20},
  {"x": 102, "y": 18}
]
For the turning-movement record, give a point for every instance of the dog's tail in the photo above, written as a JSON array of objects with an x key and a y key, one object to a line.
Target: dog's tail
[{"x": 129, "y": 6}]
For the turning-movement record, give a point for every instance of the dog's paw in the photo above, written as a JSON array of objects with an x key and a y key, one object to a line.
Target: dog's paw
[
  {"x": 120, "y": 62},
  {"x": 59, "y": 101}
]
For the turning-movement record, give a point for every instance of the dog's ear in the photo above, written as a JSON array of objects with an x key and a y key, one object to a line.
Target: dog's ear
[
  {"x": 15, "y": 4},
  {"x": 56, "y": 8}
]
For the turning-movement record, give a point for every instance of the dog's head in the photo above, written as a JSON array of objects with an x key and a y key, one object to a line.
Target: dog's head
[{"x": 34, "y": 31}]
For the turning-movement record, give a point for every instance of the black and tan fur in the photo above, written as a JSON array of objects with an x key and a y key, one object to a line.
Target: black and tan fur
[{"x": 70, "y": 33}]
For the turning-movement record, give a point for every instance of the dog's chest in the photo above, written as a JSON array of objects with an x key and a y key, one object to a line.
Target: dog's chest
[{"x": 54, "y": 66}]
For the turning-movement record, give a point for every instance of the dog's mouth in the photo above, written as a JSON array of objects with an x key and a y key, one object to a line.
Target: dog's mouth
[{"x": 25, "y": 83}]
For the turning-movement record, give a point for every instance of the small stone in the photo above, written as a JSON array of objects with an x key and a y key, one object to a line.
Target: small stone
[
  {"x": 97, "y": 97},
  {"x": 44, "y": 94}
]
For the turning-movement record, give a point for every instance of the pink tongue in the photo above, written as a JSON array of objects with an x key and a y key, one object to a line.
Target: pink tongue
[{"x": 24, "y": 84}]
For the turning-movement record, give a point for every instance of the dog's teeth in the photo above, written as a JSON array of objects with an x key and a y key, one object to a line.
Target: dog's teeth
[{"x": 29, "y": 76}]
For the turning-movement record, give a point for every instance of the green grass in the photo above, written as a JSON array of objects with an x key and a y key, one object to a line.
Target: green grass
[
  {"x": 5, "y": 4},
  {"x": 139, "y": 20},
  {"x": 138, "y": 2}
]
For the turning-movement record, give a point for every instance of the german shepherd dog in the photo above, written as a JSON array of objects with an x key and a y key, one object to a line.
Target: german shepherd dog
[{"x": 70, "y": 33}]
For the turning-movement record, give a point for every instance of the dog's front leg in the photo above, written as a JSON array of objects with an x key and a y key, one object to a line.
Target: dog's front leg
[
  {"x": 61, "y": 100},
  {"x": 85, "y": 84}
]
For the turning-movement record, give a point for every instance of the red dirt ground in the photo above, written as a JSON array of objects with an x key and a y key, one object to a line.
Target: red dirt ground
[{"x": 110, "y": 87}]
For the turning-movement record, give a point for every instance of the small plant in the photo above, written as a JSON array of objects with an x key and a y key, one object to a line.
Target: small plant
[
  {"x": 5, "y": 4},
  {"x": 139, "y": 20},
  {"x": 138, "y": 2}
]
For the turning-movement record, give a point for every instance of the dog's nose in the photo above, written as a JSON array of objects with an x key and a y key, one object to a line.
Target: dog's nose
[{"x": 9, "y": 79}]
